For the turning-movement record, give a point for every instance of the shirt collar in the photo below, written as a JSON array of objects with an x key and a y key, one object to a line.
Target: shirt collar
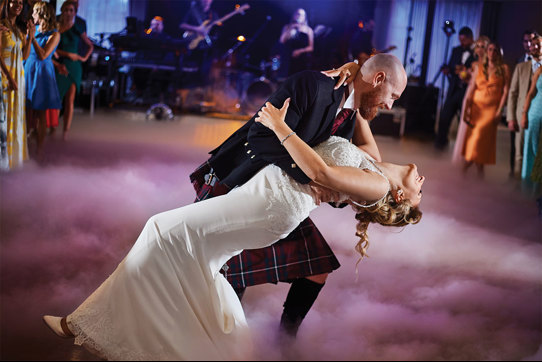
[{"x": 349, "y": 102}]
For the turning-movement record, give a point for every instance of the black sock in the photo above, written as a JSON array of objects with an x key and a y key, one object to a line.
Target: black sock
[{"x": 299, "y": 301}]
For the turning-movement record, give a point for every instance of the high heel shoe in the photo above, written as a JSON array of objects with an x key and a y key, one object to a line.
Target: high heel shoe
[{"x": 58, "y": 325}]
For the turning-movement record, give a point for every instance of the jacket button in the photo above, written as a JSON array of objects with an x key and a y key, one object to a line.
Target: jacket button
[
  {"x": 252, "y": 156},
  {"x": 246, "y": 144},
  {"x": 294, "y": 165},
  {"x": 249, "y": 151}
]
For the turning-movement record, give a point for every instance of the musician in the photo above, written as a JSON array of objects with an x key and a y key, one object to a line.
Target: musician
[
  {"x": 151, "y": 83},
  {"x": 198, "y": 16},
  {"x": 297, "y": 44},
  {"x": 361, "y": 43},
  {"x": 156, "y": 28}
]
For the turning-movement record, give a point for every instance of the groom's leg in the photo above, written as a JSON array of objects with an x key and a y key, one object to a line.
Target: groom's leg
[{"x": 303, "y": 292}]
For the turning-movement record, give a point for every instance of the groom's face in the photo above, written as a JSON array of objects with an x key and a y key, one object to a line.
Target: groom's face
[
  {"x": 381, "y": 96},
  {"x": 369, "y": 104}
]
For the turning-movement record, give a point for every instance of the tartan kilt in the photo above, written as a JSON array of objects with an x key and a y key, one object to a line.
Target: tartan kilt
[{"x": 303, "y": 253}]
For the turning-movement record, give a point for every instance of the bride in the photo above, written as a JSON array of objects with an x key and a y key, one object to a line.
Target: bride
[{"x": 167, "y": 300}]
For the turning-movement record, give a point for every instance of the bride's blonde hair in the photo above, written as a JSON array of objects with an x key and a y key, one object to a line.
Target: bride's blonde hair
[{"x": 387, "y": 212}]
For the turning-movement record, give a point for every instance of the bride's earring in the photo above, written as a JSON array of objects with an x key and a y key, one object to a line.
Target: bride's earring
[{"x": 399, "y": 195}]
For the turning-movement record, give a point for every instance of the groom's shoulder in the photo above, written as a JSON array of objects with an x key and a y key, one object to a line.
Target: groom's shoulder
[{"x": 310, "y": 79}]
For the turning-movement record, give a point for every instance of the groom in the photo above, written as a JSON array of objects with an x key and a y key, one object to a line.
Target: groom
[{"x": 317, "y": 111}]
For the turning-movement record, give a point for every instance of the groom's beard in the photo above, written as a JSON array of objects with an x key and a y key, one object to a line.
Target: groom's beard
[{"x": 369, "y": 105}]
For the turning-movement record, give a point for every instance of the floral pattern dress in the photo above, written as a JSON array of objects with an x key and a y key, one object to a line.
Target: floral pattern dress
[{"x": 13, "y": 102}]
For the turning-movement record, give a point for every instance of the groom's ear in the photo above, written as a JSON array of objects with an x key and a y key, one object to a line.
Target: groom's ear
[{"x": 379, "y": 79}]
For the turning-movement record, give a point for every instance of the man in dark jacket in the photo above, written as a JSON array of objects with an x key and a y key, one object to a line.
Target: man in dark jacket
[
  {"x": 461, "y": 59},
  {"x": 303, "y": 258}
]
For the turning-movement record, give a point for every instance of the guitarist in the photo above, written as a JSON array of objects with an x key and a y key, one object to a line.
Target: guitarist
[
  {"x": 361, "y": 44},
  {"x": 201, "y": 57}
]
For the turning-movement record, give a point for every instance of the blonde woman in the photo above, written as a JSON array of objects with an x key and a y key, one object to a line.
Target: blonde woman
[
  {"x": 167, "y": 299},
  {"x": 480, "y": 47},
  {"x": 14, "y": 48},
  {"x": 485, "y": 99},
  {"x": 297, "y": 38},
  {"x": 41, "y": 88}
]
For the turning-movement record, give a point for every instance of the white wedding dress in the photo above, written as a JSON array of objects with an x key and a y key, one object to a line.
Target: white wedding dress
[{"x": 167, "y": 300}]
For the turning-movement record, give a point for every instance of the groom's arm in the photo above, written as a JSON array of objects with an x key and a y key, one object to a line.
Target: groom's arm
[{"x": 364, "y": 139}]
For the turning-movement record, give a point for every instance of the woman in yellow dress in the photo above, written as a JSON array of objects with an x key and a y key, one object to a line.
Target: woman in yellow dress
[
  {"x": 485, "y": 99},
  {"x": 14, "y": 49}
]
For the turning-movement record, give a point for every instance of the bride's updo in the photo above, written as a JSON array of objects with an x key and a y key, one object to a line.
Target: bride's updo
[{"x": 387, "y": 212}]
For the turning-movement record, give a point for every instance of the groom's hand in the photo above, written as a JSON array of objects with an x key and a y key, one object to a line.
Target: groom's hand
[{"x": 324, "y": 194}]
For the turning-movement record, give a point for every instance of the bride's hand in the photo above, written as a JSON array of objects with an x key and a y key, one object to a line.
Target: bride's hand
[
  {"x": 272, "y": 117},
  {"x": 346, "y": 74}
]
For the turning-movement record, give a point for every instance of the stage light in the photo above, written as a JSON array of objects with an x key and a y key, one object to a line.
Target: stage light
[
  {"x": 360, "y": 24},
  {"x": 241, "y": 38}
]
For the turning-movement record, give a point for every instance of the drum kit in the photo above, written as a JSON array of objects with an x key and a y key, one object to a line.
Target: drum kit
[
  {"x": 235, "y": 85},
  {"x": 242, "y": 88}
]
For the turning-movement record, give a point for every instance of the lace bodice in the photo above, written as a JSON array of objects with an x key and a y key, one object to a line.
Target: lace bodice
[{"x": 292, "y": 202}]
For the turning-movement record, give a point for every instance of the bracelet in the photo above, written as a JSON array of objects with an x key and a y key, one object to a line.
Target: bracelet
[{"x": 285, "y": 138}]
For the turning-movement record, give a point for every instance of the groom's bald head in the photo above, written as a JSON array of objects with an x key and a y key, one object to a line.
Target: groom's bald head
[
  {"x": 387, "y": 63},
  {"x": 381, "y": 81}
]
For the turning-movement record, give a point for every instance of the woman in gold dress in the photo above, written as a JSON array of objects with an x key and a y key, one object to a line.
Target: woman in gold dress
[{"x": 485, "y": 99}]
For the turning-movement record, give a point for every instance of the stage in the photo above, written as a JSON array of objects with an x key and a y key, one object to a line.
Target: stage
[{"x": 463, "y": 284}]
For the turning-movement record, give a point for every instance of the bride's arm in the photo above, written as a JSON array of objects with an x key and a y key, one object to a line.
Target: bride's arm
[{"x": 362, "y": 185}]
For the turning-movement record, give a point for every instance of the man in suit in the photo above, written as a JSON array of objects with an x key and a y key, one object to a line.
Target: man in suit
[
  {"x": 519, "y": 86},
  {"x": 528, "y": 36},
  {"x": 461, "y": 58},
  {"x": 317, "y": 110}
]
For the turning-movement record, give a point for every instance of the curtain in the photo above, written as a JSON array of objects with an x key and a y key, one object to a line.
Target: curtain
[
  {"x": 399, "y": 15},
  {"x": 462, "y": 13},
  {"x": 102, "y": 16}
]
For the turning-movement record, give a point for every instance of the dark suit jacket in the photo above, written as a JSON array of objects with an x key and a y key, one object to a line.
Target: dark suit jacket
[
  {"x": 455, "y": 59},
  {"x": 311, "y": 113}
]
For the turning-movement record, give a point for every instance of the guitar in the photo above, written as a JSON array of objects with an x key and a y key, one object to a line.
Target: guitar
[
  {"x": 362, "y": 57},
  {"x": 201, "y": 32}
]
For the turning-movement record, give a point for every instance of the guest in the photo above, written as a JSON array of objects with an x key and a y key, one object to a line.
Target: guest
[
  {"x": 69, "y": 70},
  {"x": 519, "y": 86},
  {"x": 297, "y": 41},
  {"x": 41, "y": 88},
  {"x": 4, "y": 161},
  {"x": 536, "y": 175},
  {"x": 528, "y": 36},
  {"x": 485, "y": 99},
  {"x": 15, "y": 48},
  {"x": 532, "y": 121},
  {"x": 480, "y": 47}
]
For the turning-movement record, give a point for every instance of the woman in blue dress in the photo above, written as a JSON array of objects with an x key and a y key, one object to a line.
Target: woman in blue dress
[
  {"x": 41, "y": 88},
  {"x": 532, "y": 122}
]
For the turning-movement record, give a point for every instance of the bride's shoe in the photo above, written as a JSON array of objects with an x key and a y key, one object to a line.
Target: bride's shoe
[{"x": 58, "y": 325}]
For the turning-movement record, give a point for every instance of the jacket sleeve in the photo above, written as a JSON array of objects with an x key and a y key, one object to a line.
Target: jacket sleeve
[
  {"x": 512, "y": 101},
  {"x": 302, "y": 89}
]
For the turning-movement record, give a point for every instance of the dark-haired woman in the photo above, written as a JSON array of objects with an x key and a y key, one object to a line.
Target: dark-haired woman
[{"x": 69, "y": 69}]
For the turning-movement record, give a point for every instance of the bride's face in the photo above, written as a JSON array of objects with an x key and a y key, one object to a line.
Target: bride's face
[{"x": 412, "y": 184}]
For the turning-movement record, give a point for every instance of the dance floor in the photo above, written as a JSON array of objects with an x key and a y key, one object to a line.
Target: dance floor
[{"x": 463, "y": 284}]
